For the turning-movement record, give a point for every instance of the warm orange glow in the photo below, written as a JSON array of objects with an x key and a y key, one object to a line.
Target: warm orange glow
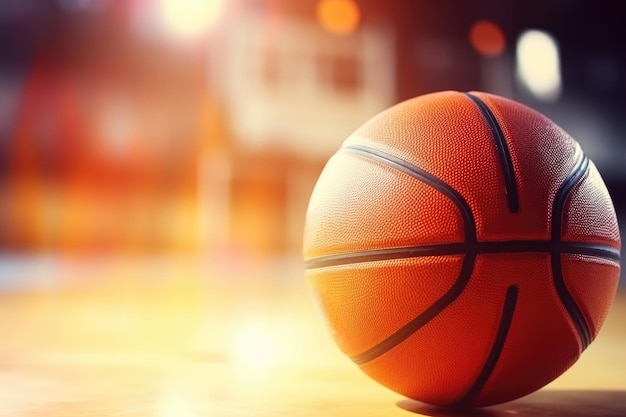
[
  {"x": 338, "y": 16},
  {"x": 487, "y": 38}
]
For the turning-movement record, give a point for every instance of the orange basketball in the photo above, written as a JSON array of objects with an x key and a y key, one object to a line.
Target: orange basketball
[{"x": 463, "y": 248}]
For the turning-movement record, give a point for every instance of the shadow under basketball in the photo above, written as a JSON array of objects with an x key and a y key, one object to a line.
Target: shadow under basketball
[{"x": 553, "y": 403}]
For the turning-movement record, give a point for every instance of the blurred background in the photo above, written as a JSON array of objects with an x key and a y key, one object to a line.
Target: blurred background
[{"x": 154, "y": 150}]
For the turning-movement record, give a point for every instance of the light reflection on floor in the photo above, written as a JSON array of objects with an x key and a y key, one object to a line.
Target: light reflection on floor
[{"x": 196, "y": 342}]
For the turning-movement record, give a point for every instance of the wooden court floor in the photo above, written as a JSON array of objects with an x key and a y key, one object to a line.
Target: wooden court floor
[{"x": 252, "y": 346}]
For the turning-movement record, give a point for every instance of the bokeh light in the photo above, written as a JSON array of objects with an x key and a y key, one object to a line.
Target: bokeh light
[
  {"x": 487, "y": 38},
  {"x": 338, "y": 16},
  {"x": 188, "y": 19},
  {"x": 538, "y": 64}
]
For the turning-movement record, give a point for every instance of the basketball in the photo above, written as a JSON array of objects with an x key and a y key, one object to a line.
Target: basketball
[{"x": 462, "y": 248}]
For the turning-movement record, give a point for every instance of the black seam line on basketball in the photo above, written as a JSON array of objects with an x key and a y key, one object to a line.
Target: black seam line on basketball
[
  {"x": 496, "y": 349},
  {"x": 558, "y": 205},
  {"x": 512, "y": 246},
  {"x": 467, "y": 267},
  {"x": 563, "y": 192},
  {"x": 424, "y": 318},
  {"x": 510, "y": 185},
  {"x": 466, "y": 212}
]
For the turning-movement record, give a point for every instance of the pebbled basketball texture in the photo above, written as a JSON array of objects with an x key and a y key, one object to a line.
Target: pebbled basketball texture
[{"x": 463, "y": 249}]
